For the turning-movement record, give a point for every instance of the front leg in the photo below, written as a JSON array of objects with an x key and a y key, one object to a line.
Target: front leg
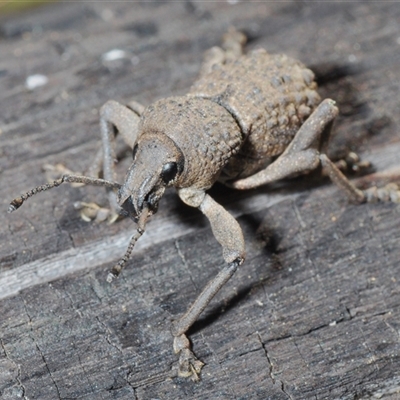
[
  {"x": 116, "y": 116},
  {"x": 229, "y": 234}
]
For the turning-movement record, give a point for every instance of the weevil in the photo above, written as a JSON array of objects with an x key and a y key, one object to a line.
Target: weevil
[{"x": 248, "y": 120}]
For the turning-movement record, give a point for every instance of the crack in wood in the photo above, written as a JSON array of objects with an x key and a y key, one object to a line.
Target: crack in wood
[
  {"x": 107, "y": 335},
  {"x": 18, "y": 366},
  {"x": 42, "y": 356},
  {"x": 271, "y": 373}
]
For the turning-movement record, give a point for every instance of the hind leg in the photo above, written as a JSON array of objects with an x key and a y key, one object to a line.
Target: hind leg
[
  {"x": 232, "y": 47},
  {"x": 303, "y": 155}
]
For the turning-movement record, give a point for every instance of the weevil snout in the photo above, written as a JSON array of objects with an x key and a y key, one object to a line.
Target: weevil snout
[{"x": 157, "y": 163}]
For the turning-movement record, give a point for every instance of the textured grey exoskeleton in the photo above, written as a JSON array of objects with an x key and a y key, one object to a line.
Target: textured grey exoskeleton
[{"x": 248, "y": 120}]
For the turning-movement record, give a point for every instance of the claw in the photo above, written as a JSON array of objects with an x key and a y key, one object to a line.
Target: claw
[
  {"x": 93, "y": 212},
  {"x": 189, "y": 365},
  {"x": 390, "y": 192},
  {"x": 353, "y": 164}
]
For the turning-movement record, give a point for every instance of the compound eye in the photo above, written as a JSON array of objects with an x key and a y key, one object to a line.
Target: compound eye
[
  {"x": 169, "y": 172},
  {"x": 134, "y": 151}
]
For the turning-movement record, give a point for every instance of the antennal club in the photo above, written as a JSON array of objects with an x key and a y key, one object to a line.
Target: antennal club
[{"x": 116, "y": 270}]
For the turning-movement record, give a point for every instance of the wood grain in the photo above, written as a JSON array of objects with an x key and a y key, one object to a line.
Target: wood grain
[{"x": 314, "y": 311}]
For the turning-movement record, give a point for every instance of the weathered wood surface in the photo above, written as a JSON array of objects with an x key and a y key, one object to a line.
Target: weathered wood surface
[{"x": 314, "y": 311}]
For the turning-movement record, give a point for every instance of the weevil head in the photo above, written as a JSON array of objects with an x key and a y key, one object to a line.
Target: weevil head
[{"x": 157, "y": 164}]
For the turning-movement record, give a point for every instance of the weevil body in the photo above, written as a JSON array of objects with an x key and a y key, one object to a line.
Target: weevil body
[
  {"x": 238, "y": 116},
  {"x": 247, "y": 121}
]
